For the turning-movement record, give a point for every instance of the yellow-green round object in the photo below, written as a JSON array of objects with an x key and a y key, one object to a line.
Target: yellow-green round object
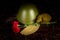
[
  {"x": 27, "y": 14},
  {"x": 44, "y": 17}
]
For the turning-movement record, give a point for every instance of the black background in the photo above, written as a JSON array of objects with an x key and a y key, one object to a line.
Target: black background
[{"x": 10, "y": 8}]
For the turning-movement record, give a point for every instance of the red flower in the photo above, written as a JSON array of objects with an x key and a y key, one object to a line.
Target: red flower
[{"x": 15, "y": 27}]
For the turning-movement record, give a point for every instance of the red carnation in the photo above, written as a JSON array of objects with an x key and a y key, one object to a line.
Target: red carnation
[{"x": 15, "y": 27}]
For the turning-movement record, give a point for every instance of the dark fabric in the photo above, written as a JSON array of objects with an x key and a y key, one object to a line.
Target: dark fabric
[{"x": 8, "y": 12}]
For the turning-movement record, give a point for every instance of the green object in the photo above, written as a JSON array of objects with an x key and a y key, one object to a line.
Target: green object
[
  {"x": 48, "y": 22},
  {"x": 27, "y": 14}
]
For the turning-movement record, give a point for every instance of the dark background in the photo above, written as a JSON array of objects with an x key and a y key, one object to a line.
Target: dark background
[{"x": 9, "y": 9}]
